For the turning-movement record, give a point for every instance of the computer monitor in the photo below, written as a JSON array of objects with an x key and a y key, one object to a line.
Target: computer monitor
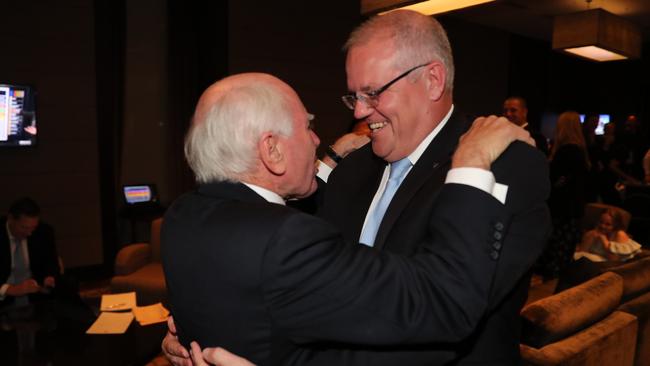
[
  {"x": 17, "y": 115},
  {"x": 140, "y": 194}
]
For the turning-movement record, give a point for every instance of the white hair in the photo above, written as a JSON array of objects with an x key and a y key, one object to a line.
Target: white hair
[
  {"x": 417, "y": 39},
  {"x": 222, "y": 146}
]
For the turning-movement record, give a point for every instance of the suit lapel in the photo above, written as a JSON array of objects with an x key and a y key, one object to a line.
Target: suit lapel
[
  {"x": 5, "y": 252},
  {"x": 369, "y": 177},
  {"x": 432, "y": 165}
]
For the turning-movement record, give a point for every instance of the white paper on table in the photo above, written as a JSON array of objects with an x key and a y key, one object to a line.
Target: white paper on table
[
  {"x": 117, "y": 302},
  {"x": 151, "y": 314},
  {"x": 111, "y": 323}
]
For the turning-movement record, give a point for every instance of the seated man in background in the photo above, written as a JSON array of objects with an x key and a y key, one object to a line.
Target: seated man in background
[
  {"x": 29, "y": 263},
  {"x": 268, "y": 282},
  {"x": 29, "y": 267}
]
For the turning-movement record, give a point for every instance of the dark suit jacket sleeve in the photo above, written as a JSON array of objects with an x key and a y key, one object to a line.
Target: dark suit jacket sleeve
[
  {"x": 43, "y": 256},
  {"x": 525, "y": 170},
  {"x": 318, "y": 289}
]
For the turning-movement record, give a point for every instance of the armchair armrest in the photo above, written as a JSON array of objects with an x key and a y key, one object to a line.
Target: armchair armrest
[{"x": 132, "y": 257}]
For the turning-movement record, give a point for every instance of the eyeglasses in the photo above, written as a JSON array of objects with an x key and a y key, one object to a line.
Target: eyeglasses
[{"x": 371, "y": 98}]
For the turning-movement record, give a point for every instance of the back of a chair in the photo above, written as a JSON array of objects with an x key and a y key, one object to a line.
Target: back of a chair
[
  {"x": 593, "y": 211},
  {"x": 636, "y": 277},
  {"x": 155, "y": 239},
  {"x": 558, "y": 316},
  {"x": 580, "y": 326}
]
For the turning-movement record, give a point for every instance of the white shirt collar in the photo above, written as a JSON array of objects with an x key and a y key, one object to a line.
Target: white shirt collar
[
  {"x": 268, "y": 195},
  {"x": 415, "y": 155}
]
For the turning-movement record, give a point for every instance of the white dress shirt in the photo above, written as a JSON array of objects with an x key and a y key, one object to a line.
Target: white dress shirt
[
  {"x": 270, "y": 196},
  {"x": 474, "y": 177}
]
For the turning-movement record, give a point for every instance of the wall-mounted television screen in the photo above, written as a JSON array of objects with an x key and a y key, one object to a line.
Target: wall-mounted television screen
[
  {"x": 603, "y": 119},
  {"x": 17, "y": 115}
]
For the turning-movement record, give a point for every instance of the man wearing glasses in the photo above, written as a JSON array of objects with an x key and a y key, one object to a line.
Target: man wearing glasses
[{"x": 400, "y": 72}]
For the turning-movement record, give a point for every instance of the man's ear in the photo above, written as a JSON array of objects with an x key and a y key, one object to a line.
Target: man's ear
[
  {"x": 436, "y": 79},
  {"x": 271, "y": 153}
]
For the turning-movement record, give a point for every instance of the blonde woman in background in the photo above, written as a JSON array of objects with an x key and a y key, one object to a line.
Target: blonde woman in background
[{"x": 569, "y": 165}]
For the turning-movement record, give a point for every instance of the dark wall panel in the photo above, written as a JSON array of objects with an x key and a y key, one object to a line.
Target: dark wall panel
[
  {"x": 51, "y": 46},
  {"x": 301, "y": 46}
]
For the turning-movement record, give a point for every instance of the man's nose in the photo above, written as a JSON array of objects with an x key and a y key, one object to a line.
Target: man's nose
[{"x": 362, "y": 110}]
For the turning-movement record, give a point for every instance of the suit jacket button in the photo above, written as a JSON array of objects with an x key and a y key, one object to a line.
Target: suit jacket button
[
  {"x": 498, "y": 235},
  {"x": 494, "y": 255},
  {"x": 496, "y": 245},
  {"x": 498, "y": 226}
]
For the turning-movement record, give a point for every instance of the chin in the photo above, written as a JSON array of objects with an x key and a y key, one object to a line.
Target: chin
[
  {"x": 309, "y": 191},
  {"x": 379, "y": 151}
]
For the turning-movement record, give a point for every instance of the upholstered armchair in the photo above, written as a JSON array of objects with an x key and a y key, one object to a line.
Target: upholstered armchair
[
  {"x": 593, "y": 211},
  {"x": 138, "y": 268},
  {"x": 580, "y": 326}
]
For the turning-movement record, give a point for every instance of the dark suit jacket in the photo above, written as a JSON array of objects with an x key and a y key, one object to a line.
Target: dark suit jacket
[
  {"x": 43, "y": 258},
  {"x": 405, "y": 229},
  {"x": 540, "y": 140},
  {"x": 261, "y": 279}
]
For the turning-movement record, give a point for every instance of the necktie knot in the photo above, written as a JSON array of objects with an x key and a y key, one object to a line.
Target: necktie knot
[{"x": 398, "y": 169}]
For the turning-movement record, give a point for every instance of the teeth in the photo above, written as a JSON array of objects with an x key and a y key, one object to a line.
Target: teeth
[{"x": 377, "y": 125}]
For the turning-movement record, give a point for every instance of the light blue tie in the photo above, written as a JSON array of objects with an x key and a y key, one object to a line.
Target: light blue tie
[{"x": 398, "y": 171}]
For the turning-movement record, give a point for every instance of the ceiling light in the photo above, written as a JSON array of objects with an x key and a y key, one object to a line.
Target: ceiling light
[
  {"x": 425, "y": 7},
  {"x": 597, "y": 35}
]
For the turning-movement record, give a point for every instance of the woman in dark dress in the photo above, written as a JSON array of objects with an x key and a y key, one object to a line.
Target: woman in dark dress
[{"x": 569, "y": 166}]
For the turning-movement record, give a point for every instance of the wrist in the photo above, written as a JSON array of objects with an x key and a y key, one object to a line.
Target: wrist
[
  {"x": 462, "y": 161},
  {"x": 333, "y": 155}
]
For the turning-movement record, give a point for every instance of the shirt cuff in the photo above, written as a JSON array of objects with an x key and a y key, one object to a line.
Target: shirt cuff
[
  {"x": 480, "y": 179},
  {"x": 3, "y": 291},
  {"x": 324, "y": 171}
]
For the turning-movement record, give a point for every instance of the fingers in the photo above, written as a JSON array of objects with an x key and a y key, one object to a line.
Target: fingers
[
  {"x": 530, "y": 141},
  {"x": 49, "y": 281},
  {"x": 486, "y": 139},
  {"x": 220, "y": 357},
  {"x": 179, "y": 361},
  {"x": 349, "y": 143},
  {"x": 361, "y": 140},
  {"x": 31, "y": 286},
  {"x": 171, "y": 325},
  {"x": 174, "y": 351},
  {"x": 197, "y": 355},
  {"x": 31, "y": 282}
]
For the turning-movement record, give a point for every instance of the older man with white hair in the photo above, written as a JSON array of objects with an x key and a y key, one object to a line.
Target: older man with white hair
[{"x": 268, "y": 282}]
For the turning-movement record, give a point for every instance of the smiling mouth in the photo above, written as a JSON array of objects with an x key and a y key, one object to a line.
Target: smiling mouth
[{"x": 374, "y": 126}]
